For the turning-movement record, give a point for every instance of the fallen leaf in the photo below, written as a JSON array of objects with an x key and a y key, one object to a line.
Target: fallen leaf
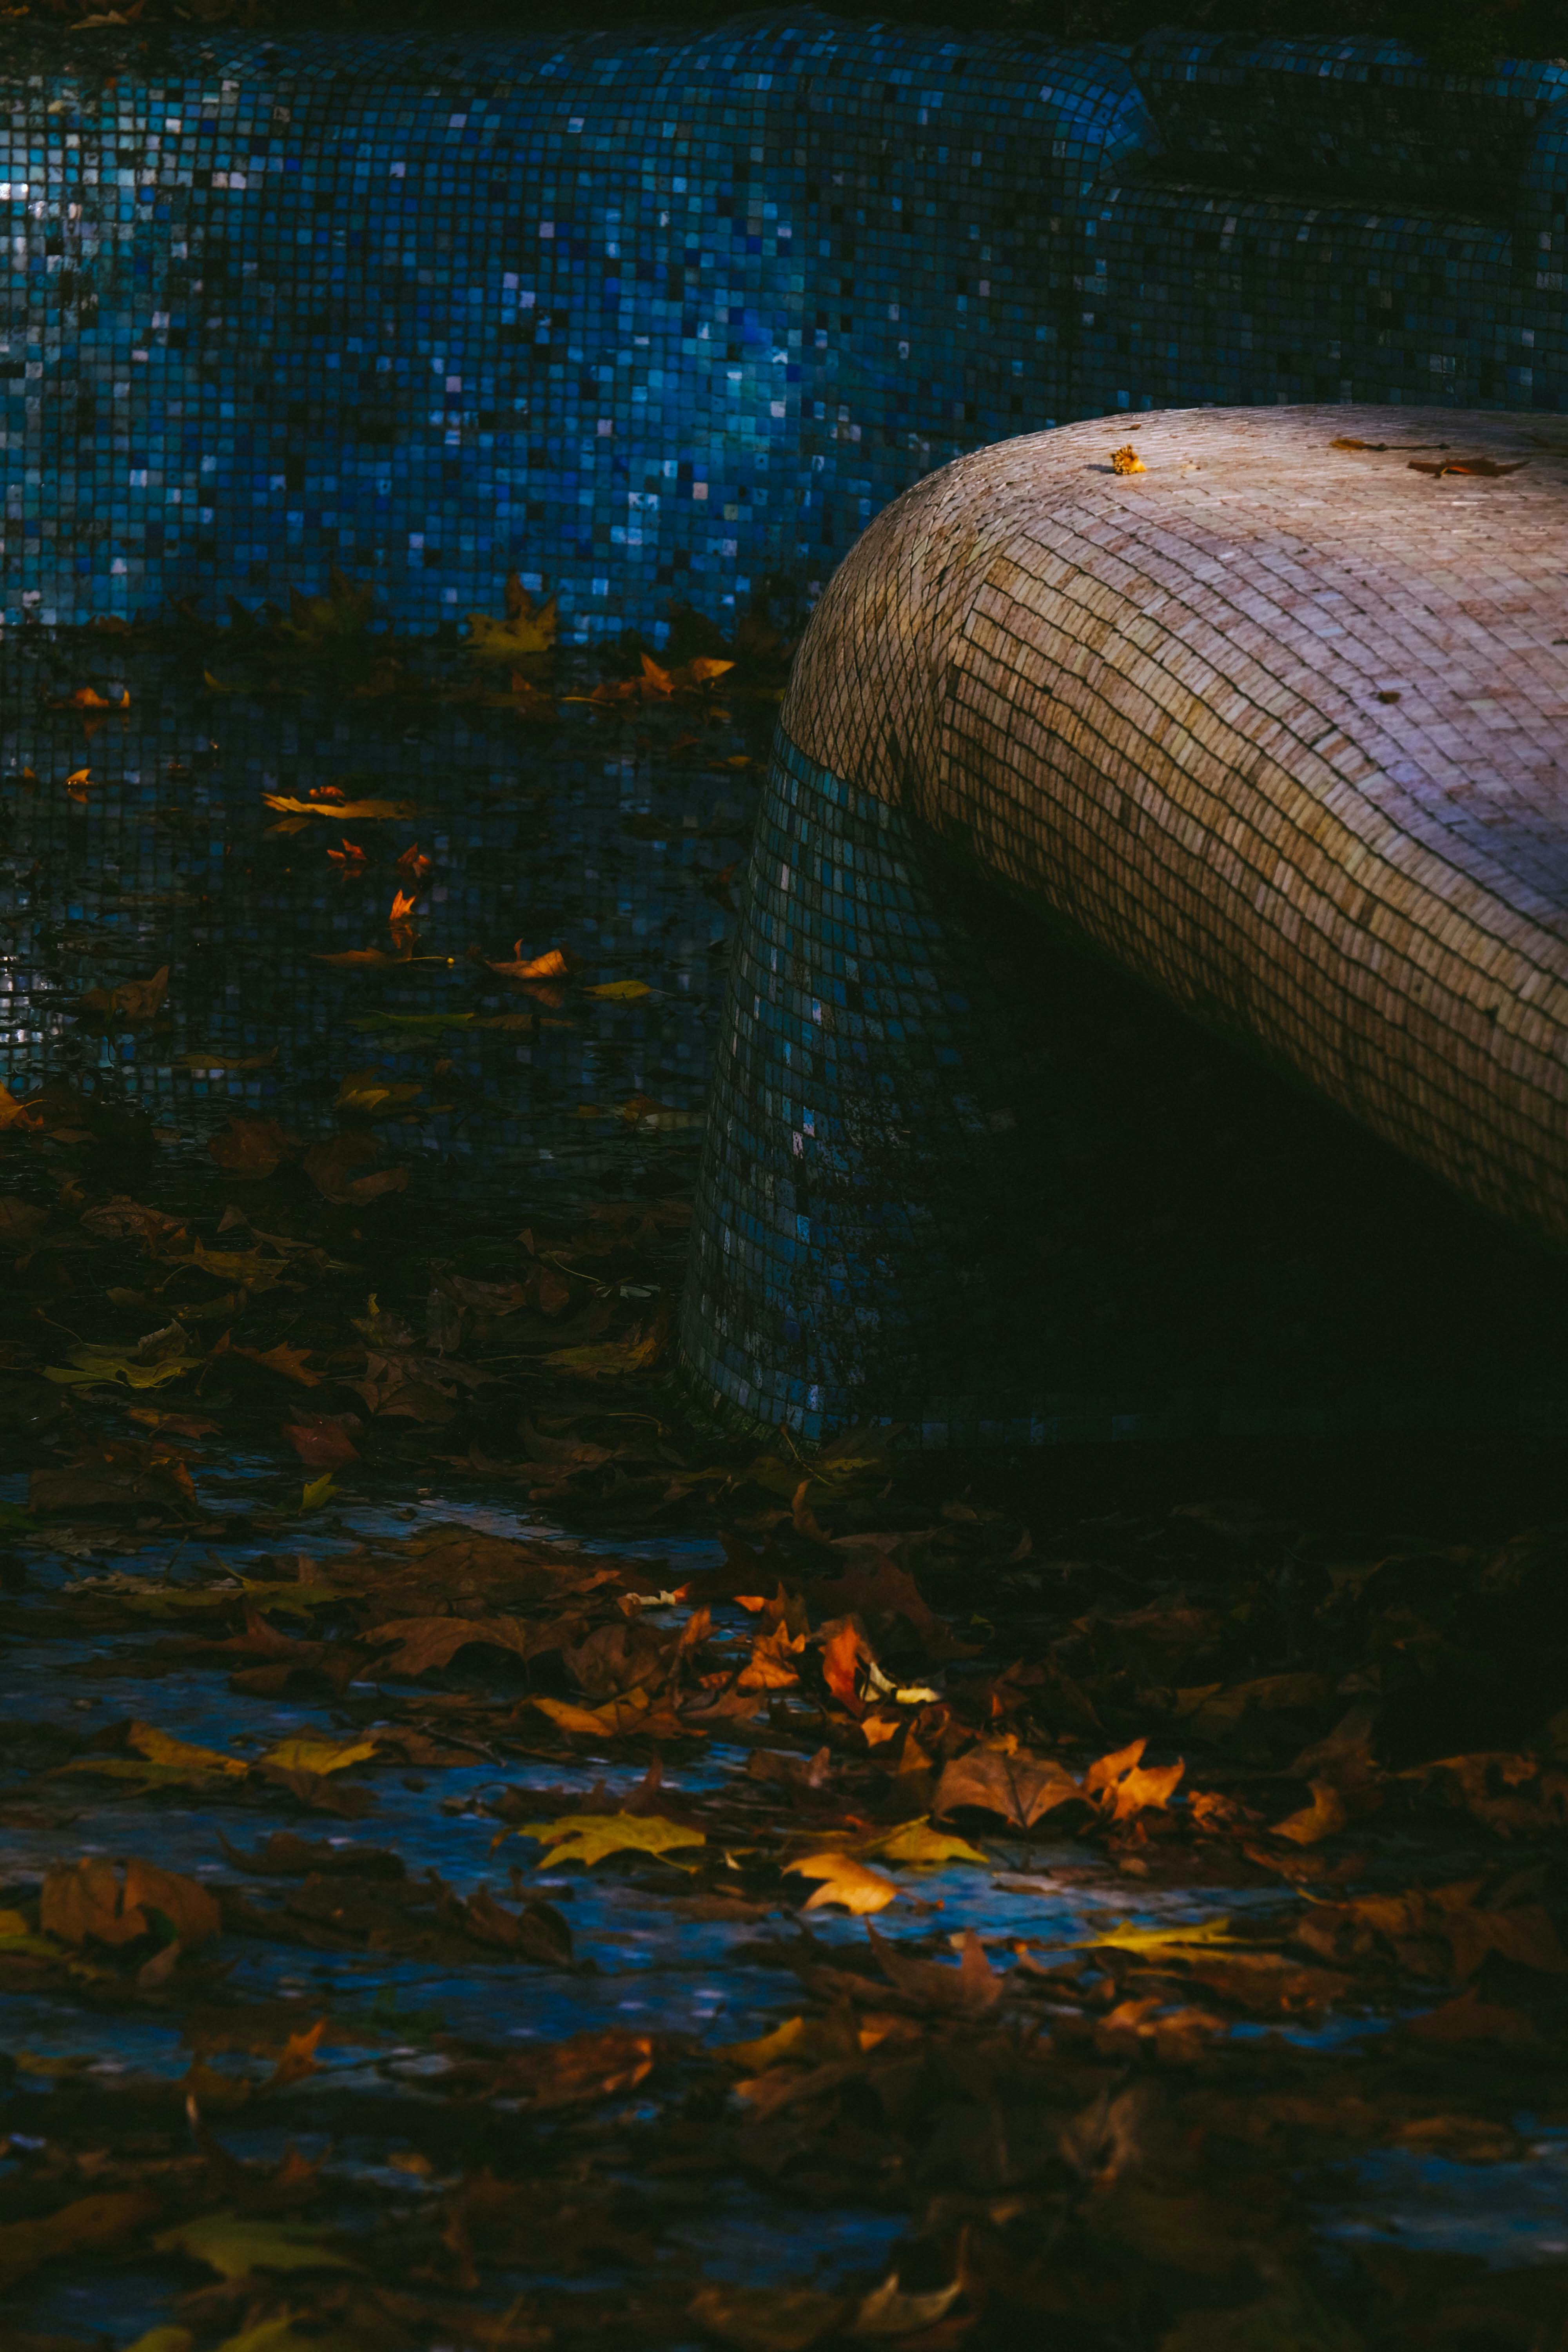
[
  {"x": 1488, "y": 467},
  {"x": 428, "y": 1642},
  {"x": 917, "y": 1842},
  {"x": 250, "y": 1147},
  {"x": 323, "y": 1443},
  {"x": 620, "y": 992},
  {"x": 342, "y": 812},
  {"x": 889, "y": 2311},
  {"x": 162, "y": 1748},
  {"x": 553, "y": 964},
  {"x": 1022, "y": 1788},
  {"x": 235, "y": 2247},
  {"x": 133, "y": 1000},
  {"x": 841, "y": 1655},
  {"x": 768, "y": 2318},
  {"x": 86, "y": 1899},
  {"x": 1122, "y": 1787},
  {"x": 1126, "y": 460},
  {"x": 89, "y": 2223},
  {"x": 844, "y": 1881},
  {"x": 588, "y": 1838},
  {"x": 528, "y": 631},
  {"x": 289, "y": 1363},
  {"x": 1322, "y": 1818},
  {"x": 307, "y": 1753},
  {"x": 973, "y": 1986}
]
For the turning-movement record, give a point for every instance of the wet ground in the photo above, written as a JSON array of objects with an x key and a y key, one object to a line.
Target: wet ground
[{"x": 1004, "y": 1897}]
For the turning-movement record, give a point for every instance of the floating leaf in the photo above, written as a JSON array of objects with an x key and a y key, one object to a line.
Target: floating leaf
[{"x": 620, "y": 992}]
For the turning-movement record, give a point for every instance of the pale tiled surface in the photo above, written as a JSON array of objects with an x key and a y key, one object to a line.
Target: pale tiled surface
[{"x": 1149, "y": 706}]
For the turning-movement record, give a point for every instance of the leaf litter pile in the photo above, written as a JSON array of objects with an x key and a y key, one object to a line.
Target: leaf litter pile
[{"x": 492, "y": 1862}]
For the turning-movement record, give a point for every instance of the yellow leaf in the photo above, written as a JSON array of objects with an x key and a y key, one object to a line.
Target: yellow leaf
[
  {"x": 1153, "y": 1940},
  {"x": 621, "y": 992},
  {"x": 320, "y": 1491},
  {"x": 528, "y": 631},
  {"x": 768, "y": 2050},
  {"x": 1320, "y": 1818},
  {"x": 589, "y": 1837},
  {"x": 845, "y": 1881},
  {"x": 1127, "y": 460},
  {"x": 918, "y": 1842},
  {"x": 163, "y": 2339},
  {"x": 234, "y": 2248},
  {"x": 888, "y": 2311},
  {"x": 344, "y": 812},
  {"x": 568, "y": 1717},
  {"x": 281, "y": 2336},
  {"x": 162, "y": 1748},
  {"x": 309, "y": 1754},
  {"x": 95, "y": 1366}
]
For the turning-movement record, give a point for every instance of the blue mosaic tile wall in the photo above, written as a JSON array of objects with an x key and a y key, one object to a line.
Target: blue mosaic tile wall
[{"x": 656, "y": 317}]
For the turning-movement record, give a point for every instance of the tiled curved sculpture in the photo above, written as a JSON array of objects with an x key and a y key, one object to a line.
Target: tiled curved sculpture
[{"x": 1276, "y": 721}]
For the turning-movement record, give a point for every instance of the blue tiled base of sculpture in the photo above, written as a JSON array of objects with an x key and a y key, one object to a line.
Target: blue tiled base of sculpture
[{"x": 657, "y": 318}]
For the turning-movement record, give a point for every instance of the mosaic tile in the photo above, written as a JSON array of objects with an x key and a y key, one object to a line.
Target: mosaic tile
[{"x": 658, "y": 317}]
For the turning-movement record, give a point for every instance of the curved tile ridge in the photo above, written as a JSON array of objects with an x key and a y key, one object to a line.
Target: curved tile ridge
[{"x": 1279, "y": 724}]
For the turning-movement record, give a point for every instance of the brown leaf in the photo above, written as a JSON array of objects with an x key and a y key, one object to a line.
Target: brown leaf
[
  {"x": 289, "y": 1363},
  {"x": 89, "y": 2223},
  {"x": 250, "y": 1147},
  {"x": 323, "y": 1443},
  {"x": 1020, "y": 1788},
  {"x": 975, "y": 1986},
  {"x": 426, "y": 1643},
  {"x": 538, "y": 1932},
  {"x": 133, "y": 1000},
  {"x": 1468, "y": 2019},
  {"x": 586, "y": 2066},
  {"x": 768, "y": 2318},
  {"x": 88, "y": 1900},
  {"x": 329, "y": 1167},
  {"x": 1488, "y": 467}
]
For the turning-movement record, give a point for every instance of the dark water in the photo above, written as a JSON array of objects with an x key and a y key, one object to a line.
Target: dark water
[{"x": 607, "y": 834}]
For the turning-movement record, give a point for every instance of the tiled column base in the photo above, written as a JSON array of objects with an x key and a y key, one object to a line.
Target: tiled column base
[
  {"x": 941, "y": 1188},
  {"x": 862, "y": 1145}
]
